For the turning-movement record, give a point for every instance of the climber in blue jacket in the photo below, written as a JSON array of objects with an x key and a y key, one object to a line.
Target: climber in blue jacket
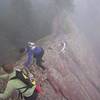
[{"x": 33, "y": 51}]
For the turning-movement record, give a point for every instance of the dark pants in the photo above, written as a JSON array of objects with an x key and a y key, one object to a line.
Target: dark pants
[
  {"x": 33, "y": 97},
  {"x": 39, "y": 58}
]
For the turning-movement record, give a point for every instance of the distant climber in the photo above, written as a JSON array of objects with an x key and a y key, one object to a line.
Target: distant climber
[
  {"x": 33, "y": 51},
  {"x": 18, "y": 81}
]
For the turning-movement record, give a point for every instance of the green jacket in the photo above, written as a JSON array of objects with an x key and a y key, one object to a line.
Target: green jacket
[{"x": 13, "y": 85}]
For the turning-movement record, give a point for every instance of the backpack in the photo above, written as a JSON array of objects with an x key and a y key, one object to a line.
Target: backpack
[{"x": 21, "y": 76}]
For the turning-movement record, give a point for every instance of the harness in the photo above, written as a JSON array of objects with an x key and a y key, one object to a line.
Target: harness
[{"x": 22, "y": 77}]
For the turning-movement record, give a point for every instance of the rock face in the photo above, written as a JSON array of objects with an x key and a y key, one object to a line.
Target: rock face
[{"x": 72, "y": 71}]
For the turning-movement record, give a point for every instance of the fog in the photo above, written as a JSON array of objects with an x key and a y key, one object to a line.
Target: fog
[
  {"x": 86, "y": 16},
  {"x": 26, "y": 20},
  {"x": 30, "y": 20}
]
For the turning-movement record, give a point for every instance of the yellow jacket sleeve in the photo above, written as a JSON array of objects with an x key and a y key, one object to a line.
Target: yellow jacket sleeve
[
  {"x": 8, "y": 91},
  {"x": 5, "y": 76}
]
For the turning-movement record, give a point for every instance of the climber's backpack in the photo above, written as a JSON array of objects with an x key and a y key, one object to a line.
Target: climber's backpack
[{"x": 21, "y": 76}]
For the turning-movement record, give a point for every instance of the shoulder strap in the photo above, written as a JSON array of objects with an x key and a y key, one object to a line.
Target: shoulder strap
[
  {"x": 15, "y": 77},
  {"x": 20, "y": 75}
]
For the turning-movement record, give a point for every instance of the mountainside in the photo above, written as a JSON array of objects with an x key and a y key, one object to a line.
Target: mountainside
[{"x": 72, "y": 69}]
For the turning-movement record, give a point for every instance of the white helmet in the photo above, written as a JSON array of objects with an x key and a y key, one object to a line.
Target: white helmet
[{"x": 31, "y": 44}]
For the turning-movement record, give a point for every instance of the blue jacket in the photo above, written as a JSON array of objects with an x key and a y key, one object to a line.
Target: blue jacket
[{"x": 36, "y": 52}]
